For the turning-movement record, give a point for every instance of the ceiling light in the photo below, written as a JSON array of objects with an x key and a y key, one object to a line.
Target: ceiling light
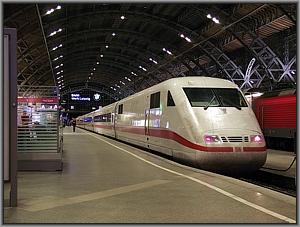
[
  {"x": 94, "y": 69},
  {"x": 122, "y": 17},
  {"x": 208, "y": 16},
  {"x": 106, "y": 46},
  {"x": 58, "y": 7},
  {"x": 188, "y": 39},
  {"x": 49, "y": 11},
  {"x": 182, "y": 36},
  {"x": 293, "y": 72},
  {"x": 216, "y": 20},
  {"x": 97, "y": 63},
  {"x": 101, "y": 56},
  {"x": 169, "y": 52},
  {"x": 89, "y": 77},
  {"x": 92, "y": 73},
  {"x": 153, "y": 60},
  {"x": 113, "y": 34}
]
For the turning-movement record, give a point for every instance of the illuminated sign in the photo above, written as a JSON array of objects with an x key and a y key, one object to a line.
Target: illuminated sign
[
  {"x": 79, "y": 98},
  {"x": 97, "y": 97}
]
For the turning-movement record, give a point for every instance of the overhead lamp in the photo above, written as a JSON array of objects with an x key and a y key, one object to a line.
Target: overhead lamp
[
  {"x": 113, "y": 34},
  {"x": 89, "y": 77},
  {"x": 61, "y": 64},
  {"x": 208, "y": 16},
  {"x": 94, "y": 69},
  {"x": 122, "y": 17},
  {"x": 92, "y": 73},
  {"x": 153, "y": 60},
  {"x": 169, "y": 52},
  {"x": 57, "y": 73},
  {"x": 106, "y": 46},
  {"x": 49, "y": 11},
  {"x": 188, "y": 39},
  {"x": 216, "y": 20},
  {"x": 54, "y": 48},
  {"x": 97, "y": 63},
  {"x": 293, "y": 72},
  {"x": 61, "y": 70},
  {"x": 55, "y": 32},
  {"x": 101, "y": 56},
  {"x": 58, "y": 7},
  {"x": 56, "y": 67}
]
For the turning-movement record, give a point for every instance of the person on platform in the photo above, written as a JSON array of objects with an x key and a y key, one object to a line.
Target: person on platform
[
  {"x": 74, "y": 124},
  {"x": 25, "y": 118}
]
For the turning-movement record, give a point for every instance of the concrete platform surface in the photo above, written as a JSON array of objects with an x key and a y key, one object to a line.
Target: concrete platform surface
[{"x": 105, "y": 181}]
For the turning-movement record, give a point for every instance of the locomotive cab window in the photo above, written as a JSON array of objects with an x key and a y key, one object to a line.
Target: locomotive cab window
[
  {"x": 212, "y": 97},
  {"x": 170, "y": 101},
  {"x": 120, "y": 109},
  {"x": 155, "y": 100}
]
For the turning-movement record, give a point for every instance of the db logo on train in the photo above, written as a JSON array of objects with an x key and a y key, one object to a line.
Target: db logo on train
[{"x": 97, "y": 97}]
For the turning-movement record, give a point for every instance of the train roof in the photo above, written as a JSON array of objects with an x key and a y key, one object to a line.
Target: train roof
[{"x": 189, "y": 81}]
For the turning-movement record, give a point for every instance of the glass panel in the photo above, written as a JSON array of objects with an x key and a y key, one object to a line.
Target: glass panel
[
  {"x": 201, "y": 97},
  {"x": 170, "y": 101},
  {"x": 223, "y": 97},
  {"x": 38, "y": 120},
  {"x": 230, "y": 97},
  {"x": 155, "y": 100}
]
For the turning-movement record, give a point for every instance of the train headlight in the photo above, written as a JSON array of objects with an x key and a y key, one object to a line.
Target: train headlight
[
  {"x": 257, "y": 138},
  {"x": 209, "y": 139}
]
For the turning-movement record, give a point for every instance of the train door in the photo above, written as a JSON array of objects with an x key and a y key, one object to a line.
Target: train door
[
  {"x": 114, "y": 121},
  {"x": 147, "y": 117}
]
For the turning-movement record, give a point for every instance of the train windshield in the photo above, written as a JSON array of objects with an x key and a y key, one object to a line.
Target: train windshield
[{"x": 212, "y": 97}]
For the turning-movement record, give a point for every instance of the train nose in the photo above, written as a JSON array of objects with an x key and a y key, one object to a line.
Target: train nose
[{"x": 231, "y": 162}]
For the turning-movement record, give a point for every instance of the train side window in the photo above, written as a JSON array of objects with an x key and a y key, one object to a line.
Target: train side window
[
  {"x": 155, "y": 100},
  {"x": 120, "y": 110},
  {"x": 170, "y": 101}
]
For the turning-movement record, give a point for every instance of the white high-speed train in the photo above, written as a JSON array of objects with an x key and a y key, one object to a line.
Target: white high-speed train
[{"x": 200, "y": 120}]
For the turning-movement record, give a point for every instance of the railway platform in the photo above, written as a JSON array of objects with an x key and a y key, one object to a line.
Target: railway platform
[{"x": 106, "y": 181}]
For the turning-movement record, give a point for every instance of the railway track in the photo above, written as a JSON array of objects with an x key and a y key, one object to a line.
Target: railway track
[{"x": 283, "y": 184}]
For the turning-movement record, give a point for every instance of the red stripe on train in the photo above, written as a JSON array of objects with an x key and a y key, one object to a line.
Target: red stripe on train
[{"x": 167, "y": 134}]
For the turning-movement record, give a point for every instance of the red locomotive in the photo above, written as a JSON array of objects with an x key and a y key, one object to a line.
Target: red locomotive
[{"x": 276, "y": 114}]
